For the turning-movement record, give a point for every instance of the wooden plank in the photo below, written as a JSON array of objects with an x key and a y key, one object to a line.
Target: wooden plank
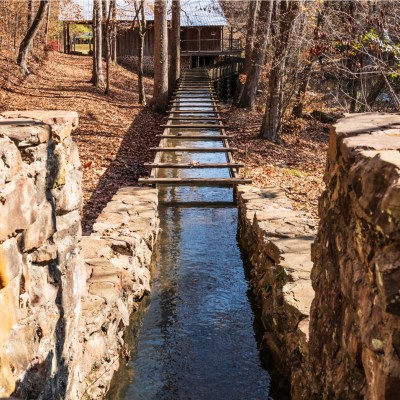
[
  {"x": 209, "y": 137},
  {"x": 195, "y": 149},
  {"x": 200, "y": 118},
  {"x": 193, "y": 112},
  {"x": 180, "y": 101},
  {"x": 195, "y": 105},
  {"x": 202, "y": 126},
  {"x": 194, "y": 165},
  {"x": 195, "y": 108},
  {"x": 196, "y": 181}
]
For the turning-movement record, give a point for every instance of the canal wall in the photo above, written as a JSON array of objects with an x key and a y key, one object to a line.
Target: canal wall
[
  {"x": 278, "y": 242},
  {"x": 334, "y": 333},
  {"x": 62, "y": 316},
  {"x": 355, "y": 316}
]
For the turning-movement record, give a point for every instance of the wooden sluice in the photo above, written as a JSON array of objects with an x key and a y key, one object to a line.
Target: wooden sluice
[{"x": 194, "y": 126}]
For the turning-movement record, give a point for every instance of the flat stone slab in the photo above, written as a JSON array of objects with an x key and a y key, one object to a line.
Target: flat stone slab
[{"x": 50, "y": 117}]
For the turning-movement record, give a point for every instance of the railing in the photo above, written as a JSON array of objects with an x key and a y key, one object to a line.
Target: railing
[
  {"x": 211, "y": 45},
  {"x": 225, "y": 68}
]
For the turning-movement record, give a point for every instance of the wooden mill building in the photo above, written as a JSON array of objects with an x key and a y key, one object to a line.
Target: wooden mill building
[{"x": 205, "y": 35}]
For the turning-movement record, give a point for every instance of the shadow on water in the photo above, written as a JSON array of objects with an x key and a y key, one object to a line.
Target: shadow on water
[{"x": 279, "y": 385}]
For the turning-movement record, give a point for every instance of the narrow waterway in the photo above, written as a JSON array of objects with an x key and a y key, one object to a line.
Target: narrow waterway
[{"x": 193, "y": 338}]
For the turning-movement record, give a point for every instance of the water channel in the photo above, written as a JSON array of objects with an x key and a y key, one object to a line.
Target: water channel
[{"x": 193, "y": 338}]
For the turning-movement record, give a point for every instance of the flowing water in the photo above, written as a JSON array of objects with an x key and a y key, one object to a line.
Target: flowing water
[{"x": 193, "y": 338}]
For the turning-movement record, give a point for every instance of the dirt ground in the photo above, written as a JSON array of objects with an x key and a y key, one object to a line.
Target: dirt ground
[
  {"x": 115, "y": 132},
  {"x": 296, "y": 165}
]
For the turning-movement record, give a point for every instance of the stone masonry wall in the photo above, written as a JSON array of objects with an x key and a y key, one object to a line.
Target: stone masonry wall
[
  {"x": 355, "y": 317},
  {"x": 278, "y": 242},
  {"x": 41, "y": 268},
  {"x": 117, "y": 257},
  {"x": 62, "y": 318}
]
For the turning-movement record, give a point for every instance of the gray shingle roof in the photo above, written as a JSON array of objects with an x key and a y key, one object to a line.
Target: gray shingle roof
[{"x": 194, "y": 12}]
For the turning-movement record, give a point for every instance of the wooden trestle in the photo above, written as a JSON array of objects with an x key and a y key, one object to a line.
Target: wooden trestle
[{"x": 194, "y": 105}]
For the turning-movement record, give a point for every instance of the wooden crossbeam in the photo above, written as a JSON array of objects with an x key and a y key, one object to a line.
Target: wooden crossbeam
[
  {"x": 193, "y": 112},
  {"x": 196, "y": 181},
  {"x": 191, "y": 101},
  {"x": 203, "y": 126},
  {"x": 194, "y": 165},
  {"x": 203, "y": 108},
  {"x": 194, "y": 119},
  {"x": 194, "y": 137},
  {"x": 196, "y": 149}
]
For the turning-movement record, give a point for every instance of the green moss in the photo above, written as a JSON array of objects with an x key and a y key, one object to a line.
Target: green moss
[
  {"x": 295, "y": 172},
  {"x": 60, "y": 179}
]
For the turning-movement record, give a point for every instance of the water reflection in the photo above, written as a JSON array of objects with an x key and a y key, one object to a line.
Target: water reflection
[{"x": 194, "y": 337}]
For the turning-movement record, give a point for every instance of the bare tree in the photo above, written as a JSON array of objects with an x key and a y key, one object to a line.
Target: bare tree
[
  {"x": 251, "y": 29},
  {"x": 274, "y": 108},
  {"x": 31, "y": 12},
  {"x": 141, "y": 29},
  {"x": 258, "y": 55},
  {"x": 98, "y": 77},
  {"x": 108, "y": 40},
  {"x": 175, "y": 65},
  {"x": 46, "y": 30},
  {"x": 22, "y": 59},
  {"x": 160, "y": 95},
  {"x": 114, "y": 28}
]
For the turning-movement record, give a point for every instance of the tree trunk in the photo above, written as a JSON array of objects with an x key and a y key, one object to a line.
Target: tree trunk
[
  {"x": 251, "y": 27},
  {"x": 114, "y": 32},
  {"x": 22, "y": 59},
  {"x": 46, "y": 31},
  {"x": 68, "y": 32},
  {"x": 258, "y": 55},
  {"x": 94, "y": 71},
  {"x": 160, "y": 95},
  {"x": 142, "y": 94},
  {"x": 298, "y": 108},
  {"x": 175, "y": 67},
  {"x": 271, "y": 125},
  {"x": 103, "y": 26},
  {"x": 98, "y": 78},
  {"x": 31, "y": 13},
  {"x": 373, "y": 94},
  {"x": 141, "y": 32},
  {"x": 107, "y": 41}
]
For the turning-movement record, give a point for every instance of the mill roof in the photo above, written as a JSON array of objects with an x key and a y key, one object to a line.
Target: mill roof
[{"x": 194, "y": 13}]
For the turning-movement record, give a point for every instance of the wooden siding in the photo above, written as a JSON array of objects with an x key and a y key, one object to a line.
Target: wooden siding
[{"x": 210, "y": 40}]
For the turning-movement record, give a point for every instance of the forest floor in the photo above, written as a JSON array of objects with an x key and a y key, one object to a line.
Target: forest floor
[
  {"x": 296, "y": 164},
  {"x": 115, "y": 133}
]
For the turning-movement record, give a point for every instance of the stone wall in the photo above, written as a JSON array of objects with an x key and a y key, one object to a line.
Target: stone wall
[
  {"x": 355, "y": 317},
  {"x": 278, "y": 242},
  {"x": 62, "y": 318},
  {"x": 117, "y": 257},
  {"x": 42, "y": 274}
]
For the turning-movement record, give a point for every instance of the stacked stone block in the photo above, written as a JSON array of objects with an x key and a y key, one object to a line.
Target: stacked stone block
[
  {"x": 355, "y": 317},
  {"x": 278, "y": 241},
  {"x": 41, "y": 267}
]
